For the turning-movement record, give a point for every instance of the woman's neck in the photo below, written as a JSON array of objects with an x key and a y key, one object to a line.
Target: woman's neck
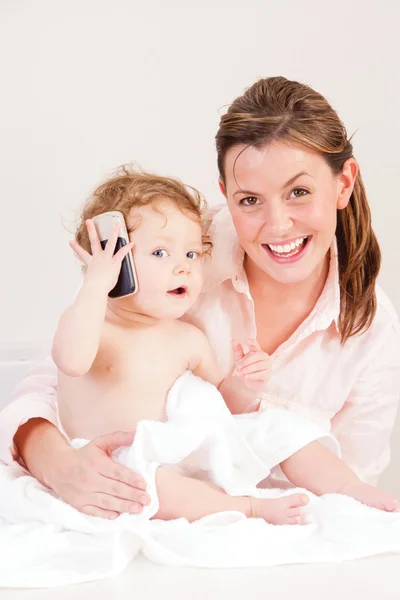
[{"x": 274, "y": 293}]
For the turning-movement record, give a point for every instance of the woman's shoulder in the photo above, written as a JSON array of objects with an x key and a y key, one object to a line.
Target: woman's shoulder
[
  {"x": 385, "y": 309},
  {"x": 384, "y": 331},
  {"x": 211, "y": 215}
]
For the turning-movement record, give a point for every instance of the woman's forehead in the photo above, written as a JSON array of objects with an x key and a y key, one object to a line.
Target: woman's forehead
[{"x": 276, "y": 162}]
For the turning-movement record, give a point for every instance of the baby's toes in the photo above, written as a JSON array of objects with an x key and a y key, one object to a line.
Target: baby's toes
[
  {"x": 297, "y": 500},
  {"x": 392, "y": 505},
  {"x": 293, "y": 512},
  {"x": 295, "y": 520}
]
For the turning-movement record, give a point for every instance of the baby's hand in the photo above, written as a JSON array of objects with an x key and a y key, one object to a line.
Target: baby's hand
[
  {"x": 103, "y": 266},
  {"x": 254, "y": 367}
]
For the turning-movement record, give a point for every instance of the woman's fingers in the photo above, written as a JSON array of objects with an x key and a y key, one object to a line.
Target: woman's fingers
[
  {"x": 122, "y": 491},
  {"x": 93, "y": 237},
  {"x": 80, "y": 252},
  {"x": 113, "y": 504},
  {"x": 95, "y": 511},
  {"x": 117, "y": 472}
]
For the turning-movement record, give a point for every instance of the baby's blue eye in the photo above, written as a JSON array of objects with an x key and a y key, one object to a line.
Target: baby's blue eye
[
  {"x": 192, "y": 255},
  {"x": 160, "y": 253}
]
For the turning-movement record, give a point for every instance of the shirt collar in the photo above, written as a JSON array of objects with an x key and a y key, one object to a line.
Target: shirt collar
[{"x": 227, "y": 260}]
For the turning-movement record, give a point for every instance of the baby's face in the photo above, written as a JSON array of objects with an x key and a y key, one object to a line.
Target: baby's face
[{"x": 168, "y": 256}]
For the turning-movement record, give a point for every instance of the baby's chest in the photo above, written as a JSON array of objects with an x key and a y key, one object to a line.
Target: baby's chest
[{"x": 140, "y": 358}]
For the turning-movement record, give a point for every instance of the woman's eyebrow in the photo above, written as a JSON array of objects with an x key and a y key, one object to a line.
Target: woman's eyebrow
[
  {"x": 285, "y": 185},
  {"x": 292, "y": 179},
  {"x": 250, "y": 193}
]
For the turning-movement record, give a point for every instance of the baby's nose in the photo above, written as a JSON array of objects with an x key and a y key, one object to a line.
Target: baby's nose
[{"x": 183, "y": 267}]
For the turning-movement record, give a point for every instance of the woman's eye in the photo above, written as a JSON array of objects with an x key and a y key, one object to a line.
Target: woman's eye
[
  {"x": 160, "y": 253},
  {"x": 250, "y": 201},
  {"x": 193, "y": 254},
  {"x": 298, "y": 193}
]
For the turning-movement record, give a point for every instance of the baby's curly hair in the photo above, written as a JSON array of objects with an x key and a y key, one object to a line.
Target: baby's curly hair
[{"x": 129, "y": 187}]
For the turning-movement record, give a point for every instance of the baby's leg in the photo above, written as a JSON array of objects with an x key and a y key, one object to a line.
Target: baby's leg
[
  {"x": 181, "y": 496},
  {"x": 317, "y": 469}
]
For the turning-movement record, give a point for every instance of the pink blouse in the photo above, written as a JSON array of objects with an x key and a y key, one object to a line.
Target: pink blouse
[{"x": 352, "y": 389}]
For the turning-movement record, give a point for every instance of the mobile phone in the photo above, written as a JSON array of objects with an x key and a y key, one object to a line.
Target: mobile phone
[{"x": 127, "y": 283}]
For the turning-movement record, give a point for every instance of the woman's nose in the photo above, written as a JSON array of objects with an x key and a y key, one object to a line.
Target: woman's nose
[{"x": 277, "y": 220}]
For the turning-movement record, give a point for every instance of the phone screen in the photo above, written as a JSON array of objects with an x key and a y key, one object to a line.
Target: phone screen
[{"x": 126, "y": 281}]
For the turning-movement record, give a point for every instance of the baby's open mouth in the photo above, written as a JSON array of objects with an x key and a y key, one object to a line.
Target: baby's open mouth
[{"x": 179, "y": 291}]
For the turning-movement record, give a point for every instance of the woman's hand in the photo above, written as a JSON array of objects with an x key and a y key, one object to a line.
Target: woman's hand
[
  {"x": 92, "y": 482},
  {"x": 103, "y": 266},
  {"x": 254, "y": 367}
]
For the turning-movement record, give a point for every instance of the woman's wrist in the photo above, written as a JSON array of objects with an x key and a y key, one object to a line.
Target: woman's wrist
[{"x": 39, "y": 442}]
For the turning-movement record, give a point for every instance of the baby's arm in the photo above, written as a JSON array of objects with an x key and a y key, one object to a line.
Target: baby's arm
[
  {"x": 77, "y": 338},
  {"x": 240, "y": 391}
]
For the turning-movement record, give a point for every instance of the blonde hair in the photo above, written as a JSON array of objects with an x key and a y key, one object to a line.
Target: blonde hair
[
  {"x": 130, "y": 187},
  {"x": 275, "y": 108}
]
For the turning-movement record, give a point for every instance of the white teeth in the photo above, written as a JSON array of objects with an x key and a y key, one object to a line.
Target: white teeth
[{"x": 287, "y": 247}]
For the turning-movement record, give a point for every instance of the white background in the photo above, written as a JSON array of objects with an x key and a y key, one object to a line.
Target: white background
[{"x": 87, "y": 85}]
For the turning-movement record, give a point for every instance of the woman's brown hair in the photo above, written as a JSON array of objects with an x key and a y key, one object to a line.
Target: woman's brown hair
[{"x": 275, "y": 108}]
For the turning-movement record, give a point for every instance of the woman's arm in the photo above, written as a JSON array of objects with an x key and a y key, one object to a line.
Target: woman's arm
[
  {"x": 364, "y": 425},
  {"x": 88, "y": 478}
]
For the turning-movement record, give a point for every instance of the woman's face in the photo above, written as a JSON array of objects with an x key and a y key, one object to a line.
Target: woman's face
[{"x": 283, "y": 199}]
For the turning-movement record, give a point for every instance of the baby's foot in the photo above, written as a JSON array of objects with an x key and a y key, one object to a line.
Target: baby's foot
[
  {"x": 279, "y": 511},
  {"x": 371, "y": 496}
]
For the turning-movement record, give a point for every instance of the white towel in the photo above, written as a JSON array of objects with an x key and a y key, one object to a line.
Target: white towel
[{"x": 45, "y": 542}]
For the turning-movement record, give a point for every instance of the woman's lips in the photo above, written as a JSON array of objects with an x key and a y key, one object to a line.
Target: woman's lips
[{"x": 291, "y": 257}]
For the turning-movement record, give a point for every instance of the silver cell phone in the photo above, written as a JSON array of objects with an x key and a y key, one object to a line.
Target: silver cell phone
[{"x": 127, "y": 283}]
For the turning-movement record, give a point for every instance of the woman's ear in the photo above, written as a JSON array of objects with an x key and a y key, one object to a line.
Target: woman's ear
[
  {"x": 222, "y": 187},
  {"x": 347, "y": 179}
]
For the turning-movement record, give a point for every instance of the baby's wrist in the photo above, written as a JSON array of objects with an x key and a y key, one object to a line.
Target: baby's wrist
[{"x": 95, "y": 287}]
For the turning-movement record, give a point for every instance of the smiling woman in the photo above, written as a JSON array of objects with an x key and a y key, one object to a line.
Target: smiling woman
[{"x": 287, "y": 223}]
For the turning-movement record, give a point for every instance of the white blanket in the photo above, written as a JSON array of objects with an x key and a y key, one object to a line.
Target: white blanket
[{"x": 44, "y": 542}]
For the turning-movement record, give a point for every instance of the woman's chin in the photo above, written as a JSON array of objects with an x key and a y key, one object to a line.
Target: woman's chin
[{"x": 290, "y": 273}]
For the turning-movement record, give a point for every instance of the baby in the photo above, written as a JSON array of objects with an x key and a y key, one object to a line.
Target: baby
[{"x": 118, "y": 357}]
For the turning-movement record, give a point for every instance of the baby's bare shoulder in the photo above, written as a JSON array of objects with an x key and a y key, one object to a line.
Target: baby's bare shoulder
[
  {"x": 193, "y": 343},
  {"x": 192, "y": 333}
]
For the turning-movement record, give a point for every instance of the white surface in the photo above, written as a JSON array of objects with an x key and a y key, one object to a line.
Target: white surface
[{"x": 366, "y": 579}]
